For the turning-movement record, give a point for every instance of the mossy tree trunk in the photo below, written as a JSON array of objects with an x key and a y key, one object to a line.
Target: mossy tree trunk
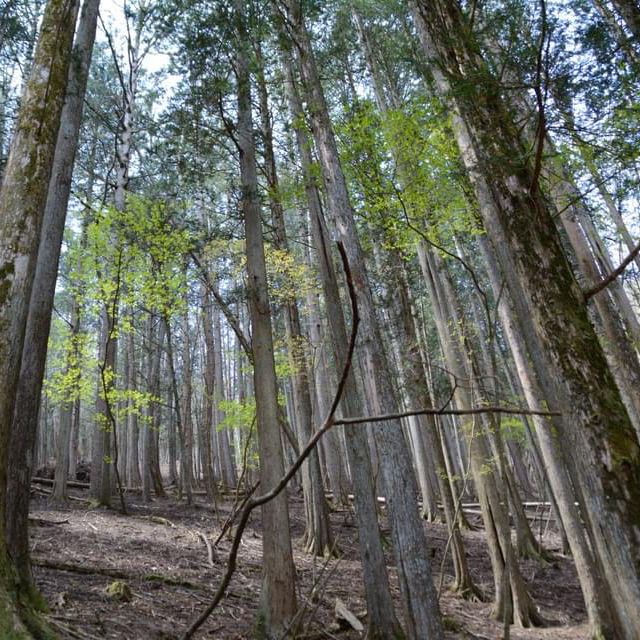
[
  {"x": 22, "y": 202},
  {"x": 597, "y": 428}
]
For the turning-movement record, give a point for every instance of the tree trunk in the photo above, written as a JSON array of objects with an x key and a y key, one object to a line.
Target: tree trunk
[
  {"x": 22, "y": 203},
  {"x": 278, "y": 596},
  {"x": 225, "y": 449},
  {"x": 595, "y": 595},
  {"x": 422, "y": 613},
  {"x": 512, "y": 600},
  {"x": 25, "y": 420},
  {"x": 318, "y": 538},
  {"x": 208, "y": 408},
  {"x": 382, "y": 621},
  {"x": 101, "y": 462},
  {"x": 598, "y": 428}
]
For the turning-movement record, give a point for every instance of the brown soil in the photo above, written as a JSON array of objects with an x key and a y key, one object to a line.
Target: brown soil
[{"x": 158, "y": 552}]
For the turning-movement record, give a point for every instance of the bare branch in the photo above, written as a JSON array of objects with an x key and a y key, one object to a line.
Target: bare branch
[
  {"x": 231, "y": 318},
  {"x": 448, "y": 412},
  {"x": 541, "y": 97},
  {"x": 605, "y": 282}
]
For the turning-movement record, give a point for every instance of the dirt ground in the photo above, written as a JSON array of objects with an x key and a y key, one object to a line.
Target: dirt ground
[{"x": 158, "y": 551}]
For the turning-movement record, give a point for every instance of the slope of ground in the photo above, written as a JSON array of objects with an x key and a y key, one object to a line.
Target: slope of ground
[{"x": 159, "y": 553}]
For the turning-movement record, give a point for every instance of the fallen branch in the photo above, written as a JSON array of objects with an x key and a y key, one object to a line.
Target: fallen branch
[
  {"x": 70, "y": 483},
  {"x": 252, "y": 503},
  {"x": 47, "y": 492},
  {"x": 41, "y": 522},
  {"x": 115, "y": 573},
  {"x": 158, "y": 520},
  {"x": 605, "y": 282}
]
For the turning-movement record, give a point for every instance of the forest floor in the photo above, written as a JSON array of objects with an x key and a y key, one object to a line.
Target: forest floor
[{"x": 158, "y": 551}]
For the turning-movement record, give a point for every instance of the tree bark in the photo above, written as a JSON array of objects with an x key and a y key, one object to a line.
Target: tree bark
[
  {"x": 22, "y": 203},
  {"x": 419, "y": 598},
  {"x": 278, "y": 596},
  {"x": 382, "y": 621},
  {"x": 607, "y": 454}
]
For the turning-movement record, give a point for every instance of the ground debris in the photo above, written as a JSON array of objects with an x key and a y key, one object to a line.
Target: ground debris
[{"x": 171, "y": 582}]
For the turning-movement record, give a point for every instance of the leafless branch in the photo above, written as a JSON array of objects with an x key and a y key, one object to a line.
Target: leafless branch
[
  {"x": 605, "y": 282},
  {"x": 233, "y": 321},
  {"x": 114, "y": 55},
  {"x": 448, "y": 412},
  {"x": 541, "y": 98}
]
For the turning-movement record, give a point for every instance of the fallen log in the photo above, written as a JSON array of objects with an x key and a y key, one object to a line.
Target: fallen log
[{"x": 114, "y": 573}]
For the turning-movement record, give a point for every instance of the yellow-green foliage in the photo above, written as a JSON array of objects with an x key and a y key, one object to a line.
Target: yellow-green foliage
[
  {"x": 513, "y": 429},
  {"x": 119, "y": 590},
  {"x": 241, "y": 416},
  {"x": 289, "y": 278},
  {"x": 405, "y": 172},
  {"x": 139, "y": 255},
  {"x": 71, "y": 359}
]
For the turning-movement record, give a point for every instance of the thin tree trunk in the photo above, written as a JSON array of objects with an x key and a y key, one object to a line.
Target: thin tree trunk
[
  {"x": 132, "y": 459},
  {"x": 422, "y": 615},
  {"x": 382, "y": 622},
  {"x": 512, "y": 600},
  {"x": 318, "y": 538},
  {"x": 278, "y": 602}
]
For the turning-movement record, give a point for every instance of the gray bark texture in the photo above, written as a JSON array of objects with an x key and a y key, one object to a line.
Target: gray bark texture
[
  {"x": 422, "y": 615},
  {"x": 382, "y": 621},
  {"x": 278, "y": 602}
]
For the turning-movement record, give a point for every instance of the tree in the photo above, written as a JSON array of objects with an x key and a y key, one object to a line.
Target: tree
[
  {"x": 22, "y": 202},
  {"x": 418, "y": 593},
  {"x": 32, "y": 368},
  {"x": 514, "y": 213},
  {"x": 278, "y": 597}
]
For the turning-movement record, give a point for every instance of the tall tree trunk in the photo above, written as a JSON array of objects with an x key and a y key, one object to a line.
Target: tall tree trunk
[
  {"x": 607, "y": 454},
  {"x": 419, "y": 599},
  {"x": 381, "y": 618},
  {"x": 224, "y": 447},
  {"x": 25, "y": 419},
  {"x": 595, "y": 595},
  {"x": 101, "y": 463},
  {"x": 337, "y": 475},
  {"x": 512, "y": 600},
  {"x": 318, "y": 538},
  {"x": 186, "y": 480},
  {"x": 23, "y": 198},
  {"x": 132, "y": 459},
  {"x": 414, "y": 385},
  {"x": 208, "y": 408},
  {"x": 278, "y": 596}
]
